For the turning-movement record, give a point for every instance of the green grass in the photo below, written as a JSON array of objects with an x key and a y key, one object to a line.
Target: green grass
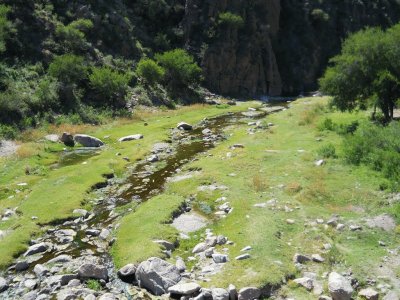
[
  {"x": 318, "y": 192},
  {"x": 52, "y": 195}
]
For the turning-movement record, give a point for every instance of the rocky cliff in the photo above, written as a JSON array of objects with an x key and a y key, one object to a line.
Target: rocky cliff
[{"x": 282, "y": 46}]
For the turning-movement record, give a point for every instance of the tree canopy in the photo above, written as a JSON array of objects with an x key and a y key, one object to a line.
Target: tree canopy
[{"x": 366, "y": 73}]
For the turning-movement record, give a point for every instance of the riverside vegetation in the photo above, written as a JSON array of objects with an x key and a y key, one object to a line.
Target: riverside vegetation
[{"x": 178, "y": 192}]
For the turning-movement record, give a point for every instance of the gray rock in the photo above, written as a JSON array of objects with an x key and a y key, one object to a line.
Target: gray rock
[
  {"x": 153, "y": 158},
  {"x": 92, "y": 271},
  {"x": 92, "y": 232},
  {"x": 3, "y": 285},
  {"x": 67, "y": 139},
  {"x": 127, "y": 273},
  {"x": 220, "y": 294},
  {"x": 243, "y": 256},
  {"x": 90, "y": 297},
  {"x": 54, "y": 138},
  {"x": 300, "y": 258},
  {"x": 305, "y": 282},
  {"x": 108, "y": 296},
  {"x": 221, "y": 240},
  {"x": 209, "y": 252},
  {"x": 317, "y": 258},
  {"x": 30, "y": 284},
  {"x": 369, "y": 294},
  {"x": 167, "y": 245},
  {"x": 233, "y": 294},
  {"x": 220, "y": 258},
  {"x": 185, "y": 289},
  {"x": 133, "y": 137},
  {"x": 21, "y": 266},
  {"x": 211, "y": 241},
  {"x": 339, "y": 287},
  {"x": 40, "y": 270},
  {"x": 38, "y": 248},
  {"x": 88, "y": 141},
  {"x": 184, "y": 126},
  {"x": 249, "y": 293},
  {"x": 105, "y": 234},
  {"x": 74, "y": 283},
  {"x": 201, "y": 247},
  {"x": 180, "y": 264},
  {"x": 82, "y": 212},
  {"x": 324, "y": 298},
  {"x": 355, "y": 227},
  {"x": 157, "y": 275},
  {"x": 60, "y": 259},
  {"x": 391, "y": 296},
  {"x": 32, "y": 295}
]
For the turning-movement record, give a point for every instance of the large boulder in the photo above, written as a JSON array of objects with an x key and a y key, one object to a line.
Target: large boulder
[
  {"x": 88, "y": 141},
  {"x": 339, "y": 287},
  {"x": 157, "y": 275},
  {"x": 92, "y": 271},
  {"x": 67, "y": 139},
  {"x": 249, "y": 293},
  {"x": 127, "y": 273}
]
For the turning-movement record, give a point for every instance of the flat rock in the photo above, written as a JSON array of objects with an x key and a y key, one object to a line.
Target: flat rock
[
  {"x": 190, "y": 222},
  {"x": 133, "y": 137},
  {"x": 157, "y": 275},
  {"x": 339, "y": 287},
  {"x": 253, "y": 114},
  {"x": 369, "y": 294},
  {"x": 243, "y": 256},
  {"x": 38, "y": 248},
  {"x": 385, "y": 222},
  {"x": 249, "y": 293},
  {"x": 92, "y": 271},
  {"x": 305, "y": 282},
  {"x": 184, "y": 289},
  {"x": 88, "y": 141}
]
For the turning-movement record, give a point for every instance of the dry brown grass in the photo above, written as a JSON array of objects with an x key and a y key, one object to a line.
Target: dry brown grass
[
  {"x": 28, "y": 150},
  {"x": 259, "y": 183},
  {"x": 293, "y": 188},
  {"x": 308, "y": 116}
]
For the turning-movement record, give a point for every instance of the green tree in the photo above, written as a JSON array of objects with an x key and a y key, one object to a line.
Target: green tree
[
  {"x": 70, "y": 70},
  {"x": 73, "y": 35},
  {"x": 367, "y": 72},
  {"x": 231, "y": 20},
  {"x": 180, "y": 69},
  {"x": 110, "y": 86},
  {"x": 150, "y": 71},
  {"x": 5, "y": 25}
]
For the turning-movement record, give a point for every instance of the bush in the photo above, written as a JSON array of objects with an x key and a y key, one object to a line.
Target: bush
[
  {"x": 327, "y": 151},
  {"x": 68, "y": 69},
  {"x": 150, "y": 71},
  {"x": 377, "y": 147},
  {"x": 180, "y": 67},
  {"x": 110, "y": 86},
  {"x": 8, "y": 132},
  {"x": 319, "y": 15},
  {"x": 231, "y": 20},
  {"x": 5, "y": 25},
  {"x": 73, "y": 36}
]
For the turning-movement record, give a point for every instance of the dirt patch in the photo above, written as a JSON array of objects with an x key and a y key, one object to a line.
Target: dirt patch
[
  {"x": 190, "y": 222},
  {"x": 7, "y": 148},
  {"x": 384, "y": 222}
]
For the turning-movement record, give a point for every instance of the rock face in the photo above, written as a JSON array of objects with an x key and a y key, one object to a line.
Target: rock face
[
  {"x": 157, "y": 275},
  {"x": 88, "y": 141},
  {"x": 339, "y": 287}
]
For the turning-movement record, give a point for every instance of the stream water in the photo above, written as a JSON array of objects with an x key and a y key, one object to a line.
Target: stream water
[{"x": 146, "y": 180}]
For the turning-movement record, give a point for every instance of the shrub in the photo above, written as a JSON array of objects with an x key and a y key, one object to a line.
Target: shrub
[
  {"x": 180, "y": 67},
  {"x": 150, "y": 71},
  {"x": 68, "y": 69},
  {"x": 231, "y": 20},
  {"x": 93, "y": 284},
  {"x": 73, "y": 36},
  {"x": 5, "y": 25},
  {"x": 110, "y": 86},
  {"x": 319, "y": 15},
  {"x": 327, "y": 151},
  {"x": 8, "y": 132}
]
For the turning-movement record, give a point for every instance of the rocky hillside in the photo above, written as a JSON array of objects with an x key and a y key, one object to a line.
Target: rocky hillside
[{"x": 246, "y": 48}]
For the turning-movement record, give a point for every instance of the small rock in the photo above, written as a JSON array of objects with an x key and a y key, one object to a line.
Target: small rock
[
  {"x": 21, "y": 266},
  {"x": 133, "y": 137},
  {"x": 355, "y": 227},
  {"x": 319, "y": 163},
  {"x": 92, "y": 271},
  {"x": 105, "y": 234},
  {"x": 153, "y": 158},
  {"x": 381, "y": 243},
  {"x": 249, "y": 293},
  {"x": 369, "y": 294},
  {"x": 339, "y": 287},
  {"x": 340, "y": 227},
  {"x": 305, "y": 282},
  {"x": 201, "y": 247},
  {"x": 290, "y": 221},
  {"x": 233, "y": 294},
  {"x": 247, "y": 248},
  {"x": 82, "y": 212},
  {"x": 127, "y": 273},
  {"x": 184, "y": 126},
  {"x": 221, "y": 240},
  {"x": 180, "y": 264},
  {"x": 166, "y": 244},
  {"x": 209, "y": 252},
  {"x": 220, "y": 294},
  {"x": 211, "y": 241},
  {"x": 30, "y": 284},
  {"x": 3, "y": 285},
  {"x": 220, "y": 258},
  {"x": 38, "y": 248},
  {"x": 300, "y": 259},
  {"x": 243, "y": 256},
  {"x": 317, "y": 258},
  {"x": 40, "y": 270},
  {"x": 185, "y": 289},
  {"x": 92, "y": 232}
]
